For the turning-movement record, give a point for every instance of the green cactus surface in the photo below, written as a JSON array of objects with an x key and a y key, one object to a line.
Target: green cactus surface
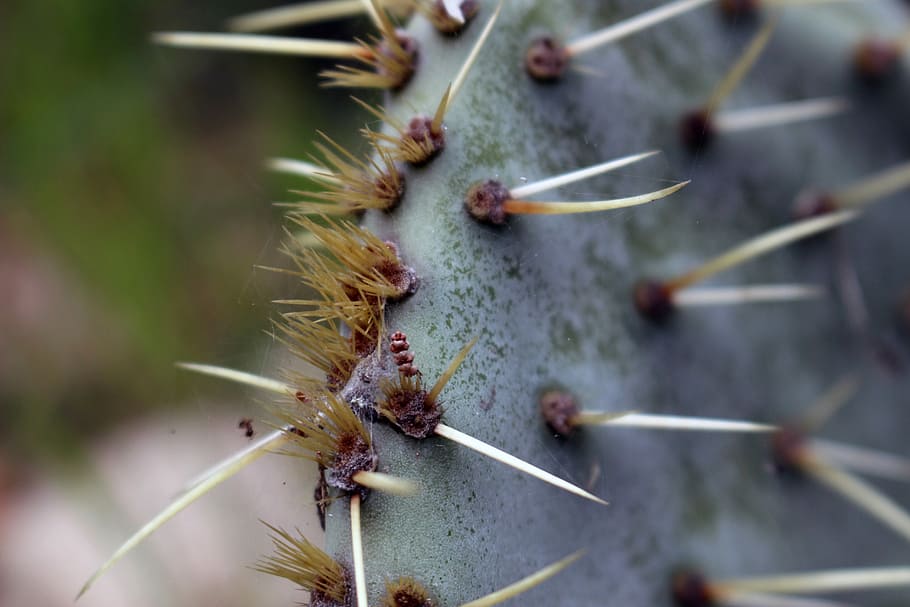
[{"x": 549, "y": 299}]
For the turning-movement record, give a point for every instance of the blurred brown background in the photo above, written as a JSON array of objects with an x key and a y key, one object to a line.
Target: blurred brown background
[{"x": 133, "y": 213}]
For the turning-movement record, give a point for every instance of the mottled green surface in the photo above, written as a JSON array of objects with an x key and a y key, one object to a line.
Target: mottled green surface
[{"x": 549, "y": 299}]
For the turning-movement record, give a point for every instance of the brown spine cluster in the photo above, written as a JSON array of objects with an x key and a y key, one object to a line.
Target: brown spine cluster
[
  {"x": 406, "y": 592},
  {"x": 408, "y": 406},
  {"x": 352, "y": 280}
]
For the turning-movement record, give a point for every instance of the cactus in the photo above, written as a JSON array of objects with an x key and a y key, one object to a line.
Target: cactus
[{"x": 576, "y": 318}]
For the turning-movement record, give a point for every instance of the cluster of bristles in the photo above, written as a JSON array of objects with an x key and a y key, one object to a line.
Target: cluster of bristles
[
  {"x": 352, "y": 274},
  {"x": 367, "y": 374}
]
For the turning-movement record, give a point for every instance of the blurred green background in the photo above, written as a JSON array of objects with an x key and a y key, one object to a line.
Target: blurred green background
[
  {"x": 134, "y": 207},
  {"x": 134, "y": 211}
]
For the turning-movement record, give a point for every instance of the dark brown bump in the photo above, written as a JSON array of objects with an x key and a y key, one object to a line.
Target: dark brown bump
[
  {"x": 485, "y": 202},
  {"x": 558, "y": 409},
  {"x": 389, "y": 189},
  {"x": 445, "y": 23},
  {"x": 812, "y": 203},
  {"x": 409, "y": 407},
  {"x": 696, "y": 129},
  {"x": 546, "y": 59},
  {"x": 691, "y": 589},
  {"x": 400, "y": 61},
  {"x": 407, "y": 592},
  {"x": 402, "y": 277},
  {"x": 353, "y": 455},
  {"x": 875, "y": 60},
  {"x": 739, "y": 9},
  {"x": 789, "y": 447},
  {"x": 653, "y": 300},
  {"x": 421, "y": 134}
]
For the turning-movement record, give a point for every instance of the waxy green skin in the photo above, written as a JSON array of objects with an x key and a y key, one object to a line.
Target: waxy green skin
[{"x": 550, "y": 300}]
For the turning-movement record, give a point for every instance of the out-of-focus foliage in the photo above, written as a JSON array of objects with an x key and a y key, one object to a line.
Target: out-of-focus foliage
[{"x": 133, "y": 206}]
